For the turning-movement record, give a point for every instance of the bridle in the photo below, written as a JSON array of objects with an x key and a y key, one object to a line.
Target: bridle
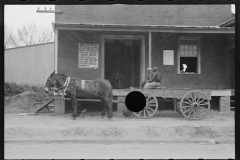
[{"x": 61, "y": 89}]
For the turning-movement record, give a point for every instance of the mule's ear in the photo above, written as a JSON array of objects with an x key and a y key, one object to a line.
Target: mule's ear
[{"x": 52, "y": 73}]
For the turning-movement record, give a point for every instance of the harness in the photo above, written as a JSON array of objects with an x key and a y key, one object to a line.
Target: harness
[{"x": 61, "y": 90}]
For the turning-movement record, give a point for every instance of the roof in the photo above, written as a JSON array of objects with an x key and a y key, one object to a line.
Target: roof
[
  {"x": 146, "y": 28},
  {"x": 228, "y": 23},
  {"x": 30, "y": 45}
]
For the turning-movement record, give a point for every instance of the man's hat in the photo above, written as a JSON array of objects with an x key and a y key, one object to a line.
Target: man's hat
[{"x": 154, "y": 69}]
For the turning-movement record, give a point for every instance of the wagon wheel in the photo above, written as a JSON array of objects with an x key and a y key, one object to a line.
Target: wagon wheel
[
  {"x": 151, "y": 106},
  {"x": 194, "y": 105}
]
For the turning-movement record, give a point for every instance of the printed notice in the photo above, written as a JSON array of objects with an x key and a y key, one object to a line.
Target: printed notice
[
  {"x": 88, "y": 55},
  {"x": 168, "y": 57}
]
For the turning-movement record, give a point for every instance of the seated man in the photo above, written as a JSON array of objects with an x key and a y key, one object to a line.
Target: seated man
[{"x": 154, "y": 79}]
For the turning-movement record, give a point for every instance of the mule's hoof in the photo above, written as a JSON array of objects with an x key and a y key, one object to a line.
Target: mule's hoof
[
  {"x": 73, "y": 117},
  {"x": 102, "y": 116}
]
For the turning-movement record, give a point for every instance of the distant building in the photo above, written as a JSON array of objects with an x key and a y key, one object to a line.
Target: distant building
[{"x": 29, "y": 64}]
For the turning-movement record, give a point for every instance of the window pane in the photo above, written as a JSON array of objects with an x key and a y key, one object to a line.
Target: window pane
[
  {"x": 181, "y": 53},
  {"x": 190, "y": 53},
  {"x": 186, "y": 53},
  {"x": 186, "y": 47},
  {"x": 195, "y": 53},
  {"x": 194, "y": 47},
  {"x": 181, "y": 47},
  {"x": 190, "y": 47}
]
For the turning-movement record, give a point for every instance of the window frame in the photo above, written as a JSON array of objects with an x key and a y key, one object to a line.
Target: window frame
[{"x": 198, "y": 53}]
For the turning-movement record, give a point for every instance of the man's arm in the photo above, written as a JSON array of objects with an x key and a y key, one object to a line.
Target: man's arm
[{"x": 156, "y": 78}]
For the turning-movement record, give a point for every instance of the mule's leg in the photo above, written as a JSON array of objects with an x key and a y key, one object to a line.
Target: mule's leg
[
  {"x": 74, "y": 105},
  {"x": 109, "y": 108},
  {"x": 104, "y": 109},
  {"x": 108, "y": 104}
]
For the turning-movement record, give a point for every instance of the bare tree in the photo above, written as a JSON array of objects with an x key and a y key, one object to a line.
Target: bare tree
[
  {"x": 10, "y": 39},
  {"x": 32, "y": 34}
]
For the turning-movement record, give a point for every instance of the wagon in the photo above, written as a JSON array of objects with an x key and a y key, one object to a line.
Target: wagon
[{"x": 191, "y": 103}]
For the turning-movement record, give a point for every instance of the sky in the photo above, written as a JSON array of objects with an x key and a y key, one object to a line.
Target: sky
[{"x": 16, "y": 16}]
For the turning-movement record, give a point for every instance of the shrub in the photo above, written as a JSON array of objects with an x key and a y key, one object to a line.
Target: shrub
[{"x": 11, "y": 89}]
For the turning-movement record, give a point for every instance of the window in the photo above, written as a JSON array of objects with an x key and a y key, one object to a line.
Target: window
[{"x": 189, "y": 54}]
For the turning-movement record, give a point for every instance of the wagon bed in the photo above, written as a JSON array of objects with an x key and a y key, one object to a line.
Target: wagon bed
[{"x": 191, "y": 103}]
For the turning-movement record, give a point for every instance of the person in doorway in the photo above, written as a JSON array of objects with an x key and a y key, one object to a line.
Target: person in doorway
[
  {"x": 184, "y": 67},
  {"x": 154, "y": 79}
]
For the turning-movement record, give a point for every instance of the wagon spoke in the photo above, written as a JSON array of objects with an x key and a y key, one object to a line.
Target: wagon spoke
[
  {"x": 152, "y": 105},
  {"x": 150, "y": 108},
  {"x": 147, "y": 111},
  {"x": 193, "y": 112},
  {"x": 186, "y": 106},
  {"x": 195, "y": 97},
  {"x": 196, "y": 112},
  {"x": 189, "y": 100},
  {"x": 150, "y": 101},
  {"x": 186, "y": 102},
  {"x": 144, "y": 112},
  {"x": 187, "y": 110},
  {"x": 147, "y": 99},
  {"x": 202, "y": 100},
  {"x": 199, "y": 98},
  {"x": 200, "y": 112},
  {"x": 190, "y": 112},
  {"x": 203, "y": 104},
  {"x": 140, "y": 112}
]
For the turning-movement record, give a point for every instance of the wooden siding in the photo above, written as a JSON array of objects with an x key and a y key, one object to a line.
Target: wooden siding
[
  {"x": 214, "y": 71},
  {"x": 68, "y": 51},
  {"x": 213, "y": 62},
  {"x": 193, "y": 15}
]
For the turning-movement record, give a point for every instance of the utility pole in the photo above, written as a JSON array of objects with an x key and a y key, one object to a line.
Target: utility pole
[{"x": 49, "y": 11}]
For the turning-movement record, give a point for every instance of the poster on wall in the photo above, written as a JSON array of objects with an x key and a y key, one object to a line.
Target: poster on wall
[
  {"x": 88, "y": 55},
  {"x": 168, "y": 57}
]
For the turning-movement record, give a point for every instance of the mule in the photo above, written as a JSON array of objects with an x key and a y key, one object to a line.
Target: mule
[{"x": 75, "y": 88}]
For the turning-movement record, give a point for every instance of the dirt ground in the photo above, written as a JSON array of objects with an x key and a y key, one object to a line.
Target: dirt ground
[{"x": 166, "y": 135}]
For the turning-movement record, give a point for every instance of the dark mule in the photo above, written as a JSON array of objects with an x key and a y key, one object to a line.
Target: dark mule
[{"x": 80, "y": 89}]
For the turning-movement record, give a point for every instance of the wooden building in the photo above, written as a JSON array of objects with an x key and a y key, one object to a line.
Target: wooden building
[{"x": 119, "y": 42}]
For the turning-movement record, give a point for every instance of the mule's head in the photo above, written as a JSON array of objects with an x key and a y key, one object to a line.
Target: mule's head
[{"x": 51, "y": 82}]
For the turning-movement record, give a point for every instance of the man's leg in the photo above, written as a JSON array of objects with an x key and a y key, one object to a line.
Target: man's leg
[
  {"x": 151, "y": 85},
  {"x": 147, "y": 85}
]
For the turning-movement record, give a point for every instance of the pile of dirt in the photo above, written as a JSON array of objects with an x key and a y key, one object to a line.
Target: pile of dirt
[{"x": 22, "y": 102}]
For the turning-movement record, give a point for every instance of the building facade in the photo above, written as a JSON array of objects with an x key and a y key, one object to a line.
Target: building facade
[{"x": 119, "y": 42}]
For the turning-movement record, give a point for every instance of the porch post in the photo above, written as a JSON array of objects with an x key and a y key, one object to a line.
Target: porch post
[
  {"x": 56, "y": 49},
  {"x": 150, "y": 50}
]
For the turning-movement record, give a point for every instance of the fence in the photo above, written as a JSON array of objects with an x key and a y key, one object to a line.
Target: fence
[{"x": 30, "y": 64}]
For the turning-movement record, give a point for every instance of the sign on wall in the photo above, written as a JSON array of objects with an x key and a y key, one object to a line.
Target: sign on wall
[
  {"x": 168, "y": 57},
  {"x": 88, "y": 55}
]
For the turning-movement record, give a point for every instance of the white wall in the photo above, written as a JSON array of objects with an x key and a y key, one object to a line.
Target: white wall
[{"x": 29, "y": 65}]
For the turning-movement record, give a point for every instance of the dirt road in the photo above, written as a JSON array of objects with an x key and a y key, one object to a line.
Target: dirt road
[
  {"x": 116, "y": 149},
  {"x": 166, "y": 135}
]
